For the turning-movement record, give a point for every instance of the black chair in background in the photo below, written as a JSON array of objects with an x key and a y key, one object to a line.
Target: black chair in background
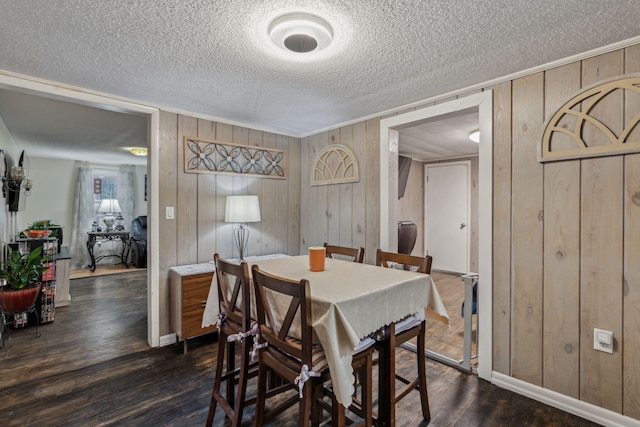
[{"x": 139, "y": 242}]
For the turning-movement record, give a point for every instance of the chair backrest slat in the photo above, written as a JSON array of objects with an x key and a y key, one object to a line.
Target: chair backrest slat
[
  {"x": 297, "y": 318},
  {"x": 356, "y": 253},
  {"x": 384, "y": 259},
  {"x": 234, "y": 302}
]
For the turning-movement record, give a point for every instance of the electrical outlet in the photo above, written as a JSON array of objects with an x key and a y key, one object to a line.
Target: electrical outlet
[{"x": 603, "y": 340}]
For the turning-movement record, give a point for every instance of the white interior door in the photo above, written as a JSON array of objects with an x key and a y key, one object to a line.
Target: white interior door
[{"x": 447, "y": 202}]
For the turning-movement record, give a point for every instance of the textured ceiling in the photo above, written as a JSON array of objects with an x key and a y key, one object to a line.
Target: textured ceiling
[{"x": 213, "y": 57}]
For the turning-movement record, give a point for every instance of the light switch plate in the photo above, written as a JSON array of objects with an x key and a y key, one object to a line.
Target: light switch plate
[
  {"x": 603, "y": 340},
  {"x": 169, "y": 212}
]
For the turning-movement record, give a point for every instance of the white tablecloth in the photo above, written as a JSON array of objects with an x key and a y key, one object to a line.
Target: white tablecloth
[{"x": 349, "y": 302}]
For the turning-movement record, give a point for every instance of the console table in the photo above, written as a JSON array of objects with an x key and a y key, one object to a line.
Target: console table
[{"x": 104, "y": 236}]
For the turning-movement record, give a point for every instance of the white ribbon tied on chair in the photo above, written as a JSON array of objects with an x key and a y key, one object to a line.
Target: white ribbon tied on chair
[
  {"x": 305, "y": 375},
  {"x": 256, "y": 347},
  {"x": 242, "y": 335},
  {"x": 221, "y": 318}
]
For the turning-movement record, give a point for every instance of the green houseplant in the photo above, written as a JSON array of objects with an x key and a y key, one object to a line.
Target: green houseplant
[
  {"x": 41, "y": 228},
  {"x": 21, "y": 276}
]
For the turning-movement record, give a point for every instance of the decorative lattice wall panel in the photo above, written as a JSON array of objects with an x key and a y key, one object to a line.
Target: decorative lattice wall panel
[
  {"x": 336, "y": 164},
  {"x": 581, "y": 129},
  {"x": 201, "y": 156}
]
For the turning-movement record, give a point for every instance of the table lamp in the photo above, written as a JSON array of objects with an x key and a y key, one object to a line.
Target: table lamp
[
  {"x": 109, "y": 207},
  {"x": 242, "y": 209}
]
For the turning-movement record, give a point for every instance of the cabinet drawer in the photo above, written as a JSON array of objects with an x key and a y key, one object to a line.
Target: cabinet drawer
[
  {"x": 192, "y": 321},
  {"x": 195, "y": 289}
]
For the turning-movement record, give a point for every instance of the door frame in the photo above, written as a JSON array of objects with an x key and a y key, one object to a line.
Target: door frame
[
  {"x": 466, "y": 163},
  {"x": 81, "y": 96},
  {"x": 483, "y": 102}
]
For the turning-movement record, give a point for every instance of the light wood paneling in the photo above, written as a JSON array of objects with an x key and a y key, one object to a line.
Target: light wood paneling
[
  {"x": 527, "y": 208},
  {"x": 206, "y": 200},
  {"x": 333, "y": 196},
  {"x": 186, "y": 212},
  {"x": 346, "y": 195},
  {"x": 282, "y": 201},
  {"x": 561, "y": 345},
  {"x": 294, "y": 166},
  {"x": 372, "y": 190},
  {"x": 501, "y": 316},
  {"x": 224, "y": 231},
  {"x": 269, "y": 205},
  {"x": 255, "y": 186},
  {"x": 199, "y": 229},
  {"x": 631, "y": 289},
  {"x": 359, "y": 194},
  {"x": 345, "y": 214},
  {"x": 601, "y": 247},
  {"x": 167, "y": 197},
  {"x": 557, "y": 265},
  {"x": 601, "y": 279},
  {"x": 309, "y": 195},
  {"x": 324, "y": 204}
]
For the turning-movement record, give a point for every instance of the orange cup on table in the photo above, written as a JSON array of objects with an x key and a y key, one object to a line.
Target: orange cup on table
[{"x": 317, "y": 256}]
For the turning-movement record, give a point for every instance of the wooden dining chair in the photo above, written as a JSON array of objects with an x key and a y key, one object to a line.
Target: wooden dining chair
[
  {"x": 234, "y": 329},
  {"x": 408, "y": 328},
  {"x": 298, "y": 361},
  {"x": 356, "y": 254}
]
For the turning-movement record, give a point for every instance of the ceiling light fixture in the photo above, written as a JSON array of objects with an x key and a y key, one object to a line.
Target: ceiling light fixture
[
  {"x": 475, "y": 136},
  {"x": 300, "y": 33},
  {"x": 138, "y": 151}
]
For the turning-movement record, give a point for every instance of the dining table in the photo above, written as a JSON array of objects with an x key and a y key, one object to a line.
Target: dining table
[{"x": 351, "y": 301}]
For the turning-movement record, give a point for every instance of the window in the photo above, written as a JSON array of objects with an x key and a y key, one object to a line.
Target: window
[{"x": 105, "y": 186}]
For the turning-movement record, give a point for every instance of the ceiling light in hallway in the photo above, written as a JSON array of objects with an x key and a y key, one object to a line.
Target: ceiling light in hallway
[
  {"x": 475, "y": 136},
  {"x": 138, "y": 151}
]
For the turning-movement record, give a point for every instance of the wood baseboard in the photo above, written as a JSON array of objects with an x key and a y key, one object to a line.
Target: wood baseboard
[{"x": 102, "y": 270}]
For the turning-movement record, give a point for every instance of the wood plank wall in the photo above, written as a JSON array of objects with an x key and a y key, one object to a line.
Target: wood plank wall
[
  {"x": 569, "y": 232},
  {"x": 343, "y": 214},
  {"x": 199, "y": 230},
  {"x": 566, "y": 236}
]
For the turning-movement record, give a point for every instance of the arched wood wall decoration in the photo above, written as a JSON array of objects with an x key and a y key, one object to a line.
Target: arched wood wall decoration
[
  {"x": 564, "y": 133},
  {"x": 201, "y": 156},
  {"x": 336, "y": 164}
]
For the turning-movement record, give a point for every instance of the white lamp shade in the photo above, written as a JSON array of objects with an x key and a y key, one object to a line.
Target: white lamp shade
[
  {"x": 242, "y": 209},
  {"x": 109, "y": 205}
]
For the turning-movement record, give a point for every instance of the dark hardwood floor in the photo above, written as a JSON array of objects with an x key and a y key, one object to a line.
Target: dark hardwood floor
[{"x": 92, "y": 367}]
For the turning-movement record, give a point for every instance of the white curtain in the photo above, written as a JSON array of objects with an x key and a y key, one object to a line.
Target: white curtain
[
  {"x": 83, "y": 216},
  {"x": 125, "y": 195}
]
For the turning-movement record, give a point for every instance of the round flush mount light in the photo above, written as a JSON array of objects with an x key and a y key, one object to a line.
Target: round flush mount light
[{"x": 300, "y": 33}]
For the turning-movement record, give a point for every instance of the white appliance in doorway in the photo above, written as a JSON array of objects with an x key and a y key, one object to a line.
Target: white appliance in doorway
[{"x": 447, "y": 205}]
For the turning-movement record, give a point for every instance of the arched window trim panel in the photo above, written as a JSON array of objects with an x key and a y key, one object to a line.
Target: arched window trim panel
[
  {"x": 335, "y": 164},
  {"x": 589, "y": 98}
]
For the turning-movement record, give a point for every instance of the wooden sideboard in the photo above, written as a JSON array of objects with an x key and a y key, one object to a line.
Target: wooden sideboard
[{"x": 189, "y": 287}]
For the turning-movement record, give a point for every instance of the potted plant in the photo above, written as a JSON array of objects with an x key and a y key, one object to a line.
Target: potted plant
[
  {"x": 21, "y": 276},
  {"x": 40, "y": 229}
]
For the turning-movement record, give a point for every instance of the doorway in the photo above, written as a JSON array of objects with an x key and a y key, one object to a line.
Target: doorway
[
  {"x": 389, "y": 127},
  {"x": 78, "y": 96}
]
